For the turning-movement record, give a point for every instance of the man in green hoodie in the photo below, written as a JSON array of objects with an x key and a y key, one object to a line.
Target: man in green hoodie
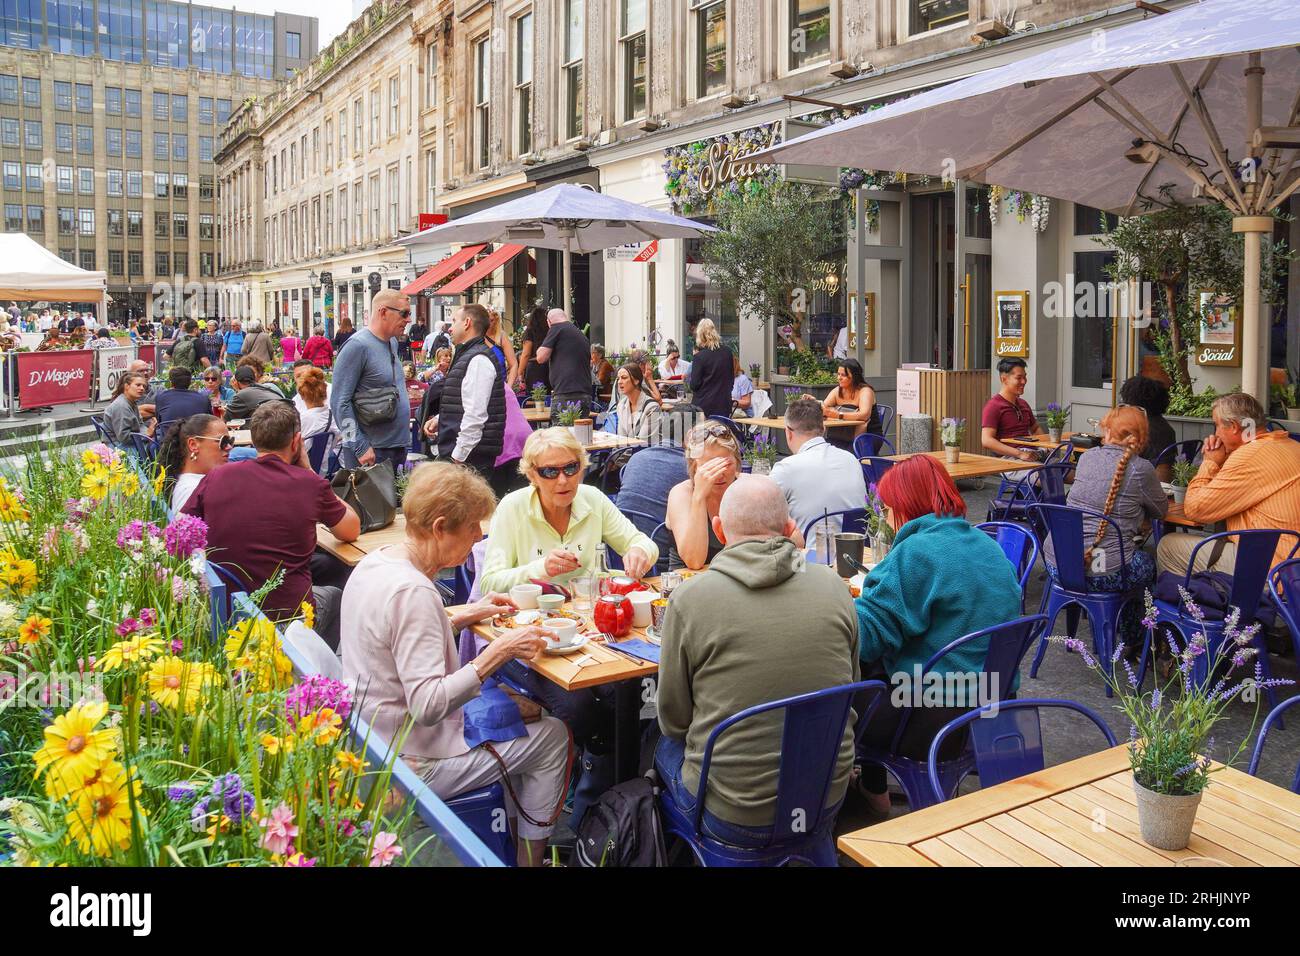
[{"x": 740, "y": 635}]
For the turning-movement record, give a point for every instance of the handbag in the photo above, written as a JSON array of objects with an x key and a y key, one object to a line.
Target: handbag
[
  {"x": 371, "y": 491},
  {"x": 378, "y": 406}
]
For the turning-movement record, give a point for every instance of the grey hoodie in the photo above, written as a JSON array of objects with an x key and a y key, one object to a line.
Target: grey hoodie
[{"x": 758, "y": 626}]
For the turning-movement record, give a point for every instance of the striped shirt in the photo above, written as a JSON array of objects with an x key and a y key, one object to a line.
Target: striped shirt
[{"x": 1257, "y": 487}]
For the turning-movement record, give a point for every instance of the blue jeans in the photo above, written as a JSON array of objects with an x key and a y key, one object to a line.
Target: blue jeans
[{"x": 669, "y": 756}]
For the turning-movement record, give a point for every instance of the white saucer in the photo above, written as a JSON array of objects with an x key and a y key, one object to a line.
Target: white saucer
[
  {"x": 561, "y": 649},
  {"x": 530, "y": 616}
]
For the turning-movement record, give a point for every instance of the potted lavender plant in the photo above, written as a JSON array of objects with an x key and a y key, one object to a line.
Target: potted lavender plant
[
  {"x": 951, "y": 431},
  {"x": 1056, "y": 419},
  {"x": 538, "y": 396},
  {"x": 879, "y": 529},
  {"x": 1183, "y": 473},
  {"x": 1171, "y": 729},
  {"x": 760, "y": 454}
]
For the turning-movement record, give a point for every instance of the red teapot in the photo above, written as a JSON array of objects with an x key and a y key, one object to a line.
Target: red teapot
[
  {"x": 622, "y": 584},
  {"x": 613, "y": 614}
]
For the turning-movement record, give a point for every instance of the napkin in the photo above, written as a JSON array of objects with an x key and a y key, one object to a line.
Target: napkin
[{"x": 638, "y": 648}]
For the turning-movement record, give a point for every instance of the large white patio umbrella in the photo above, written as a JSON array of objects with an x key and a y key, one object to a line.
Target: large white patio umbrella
[
  {"x": 1205, "y": 98},
  {"x": 565, "y": 217}
]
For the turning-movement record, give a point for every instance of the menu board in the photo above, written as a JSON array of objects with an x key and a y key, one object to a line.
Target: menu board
[{"x": 1011, "y": 324}]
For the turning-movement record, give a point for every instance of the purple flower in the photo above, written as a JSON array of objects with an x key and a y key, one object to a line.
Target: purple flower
[
  {"x": 180, "y": 792},
  {"x": 136, "y": 531},
  {"x": 148, "y": 617},
  {"x": 1155, "y": 699},
  {"x": 199, "y": 813},
  {"x": 186, "y": 535},
  {"x": 315, "y": 692}
]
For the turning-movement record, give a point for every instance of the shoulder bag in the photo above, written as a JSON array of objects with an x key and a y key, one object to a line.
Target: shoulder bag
[
  {"x": 378, "y": 406},
  {"x": 371, "y": 491}
]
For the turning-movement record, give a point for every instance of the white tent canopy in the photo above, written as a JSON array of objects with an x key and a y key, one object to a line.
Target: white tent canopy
[{"x": 29, "y": 271}]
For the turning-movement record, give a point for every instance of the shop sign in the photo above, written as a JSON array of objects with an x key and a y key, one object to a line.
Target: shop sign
[
  {"x": 1011, "y": 324},
  {"x": 697, "y": 172},
  {"x": 633, "y": 252},
  {"x": 1219, "y": 341}
]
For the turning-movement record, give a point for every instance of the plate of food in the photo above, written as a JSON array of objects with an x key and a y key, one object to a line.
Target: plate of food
[{"x": 504, "y": 622}]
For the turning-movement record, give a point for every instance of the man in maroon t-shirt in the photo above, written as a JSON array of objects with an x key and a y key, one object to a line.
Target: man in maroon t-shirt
[
  {"x": 1008, "y": 415},
  {"x": 262, "y": 514}
]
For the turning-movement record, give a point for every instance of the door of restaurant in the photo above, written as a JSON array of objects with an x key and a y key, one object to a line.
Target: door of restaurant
[
  {"x": 933, "y": 289},
  {"x": 973, "y": 279}
]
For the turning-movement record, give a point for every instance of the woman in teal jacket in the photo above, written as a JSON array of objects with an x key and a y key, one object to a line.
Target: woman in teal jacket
[{"x": 942, "y": 579}]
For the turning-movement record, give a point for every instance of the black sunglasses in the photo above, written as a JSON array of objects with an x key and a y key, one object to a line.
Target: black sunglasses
[
  {"x": 551, "y": 472},
  {"x": 404, "y": 313}
]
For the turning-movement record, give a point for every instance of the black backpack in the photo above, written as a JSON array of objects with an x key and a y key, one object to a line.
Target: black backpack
[{"x": 622, "y": 828}]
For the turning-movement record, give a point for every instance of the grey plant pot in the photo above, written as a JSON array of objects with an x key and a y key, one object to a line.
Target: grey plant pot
[
  {"x": 1166, "y": 821},
  {"x": 1180, "y": 494}
]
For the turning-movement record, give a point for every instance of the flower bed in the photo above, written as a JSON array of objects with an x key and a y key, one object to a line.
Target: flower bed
[{"x": 130, "y": 733}]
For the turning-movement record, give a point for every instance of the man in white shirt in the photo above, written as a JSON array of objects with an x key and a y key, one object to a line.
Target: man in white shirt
[
  {"x": 44, "y": 323},
  {"x": 840, "y": 350},
  {"x": 818, "y": 477}
]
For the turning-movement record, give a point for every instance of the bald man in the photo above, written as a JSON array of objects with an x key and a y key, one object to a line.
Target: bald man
[
  {"x": 367, "y": 375},
  {"x": 567, "y": 354},
  {"x": 739, "y": 636}
]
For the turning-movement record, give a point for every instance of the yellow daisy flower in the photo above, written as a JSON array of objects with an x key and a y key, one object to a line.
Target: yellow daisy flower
[
  {"x": 308, "y": 614},
  {"x": 273, "y": 744},
  {"x": 74, "y": 749},
  {"x": 101, "y": 820},
  {"x": 33, "y": 629},
  {"x": 11, "y": 509},
  {"x": 349, "y": 761},
  {"x": 323, "y": 727},
  {"x": 131, "y": 651},
  {"x": 116, "y": 473},
  {"x": 17, "y": 574},
  {"x": 96, "y": 484},
  {"x": 159, "y": 479},
  {"x": 130, "y": 485},
  {"x": 171, "y": 679}
]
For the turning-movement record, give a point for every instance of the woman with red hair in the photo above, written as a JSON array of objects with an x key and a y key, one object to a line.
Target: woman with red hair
[{"x": 942, "y": 579}]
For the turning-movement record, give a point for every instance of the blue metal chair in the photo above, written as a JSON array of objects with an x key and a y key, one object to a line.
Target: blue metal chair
[
  {"x": 873, "y": 468},
  {"x": 1284, "y": 585},
  {"x": 1067, "y": 584},
  {"x": 1042, "y": 485},
  {"x": 1189, "y": 449},
  {"x": 811, "y": 737},
  {"x": 1018, "y": 544},
  {"x": 886, "y": 416},
  {"x": 484, "y": 812},
  {"x": 614, "y": 464},
  {"x": 1255, "y": 551},
  {"x": 655, "y": 529},
  {"x": 316, "y": 446},
  {"x": 737, "y": 432},
  {"x": 1007, "y": 742},
  {"x": 144, "y": 447},
  {"x": 102, "y": 430},
  {"x": 1274, "y": 715},
  {"x": 868, "y": 445},
  {"x": 1007, "y": 645},
  {"x": 852, "y": 520}
]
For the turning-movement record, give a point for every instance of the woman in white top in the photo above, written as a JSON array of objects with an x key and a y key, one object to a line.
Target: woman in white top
[
  {"x": 192, "y": 447},
  {"x": 399, "y": 651},
  {"x": 314, "y": 414},
  {"x": 638, "y": 413},
  {"x": 673, "y": 366}
]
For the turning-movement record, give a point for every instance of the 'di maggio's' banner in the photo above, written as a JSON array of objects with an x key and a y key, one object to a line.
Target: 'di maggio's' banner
[{"x": 54, "y": 378}]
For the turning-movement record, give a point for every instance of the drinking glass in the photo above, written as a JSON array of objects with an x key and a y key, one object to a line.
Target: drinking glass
[
  {"x": 668, "y": 582},
  {"x": 822, "y": 540},
  {"x": 583, "y": 589}
]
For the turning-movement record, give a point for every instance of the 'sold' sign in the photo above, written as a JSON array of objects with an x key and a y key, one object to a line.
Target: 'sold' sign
[{"x": 54, "y": 378}]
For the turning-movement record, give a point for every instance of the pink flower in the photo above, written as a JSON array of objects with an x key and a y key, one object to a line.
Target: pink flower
[
  {"x": 177, "y": 646},
  {"x": 279, "y": 828},
  {"x": 297, "y": 859},
  {"x": 148, "y": 617},
  {"x": 384, "y": 850},
  {"x": 129, "y": 626}
]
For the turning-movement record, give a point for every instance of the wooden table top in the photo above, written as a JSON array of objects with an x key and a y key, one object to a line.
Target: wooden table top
[
  {"x": 351, "y": 552},
  {"x": 1040, "y": 441},
  {"x": 972, "y": 465},
  {"x": 1176, "y": 515},
  {"x": 604, "y": 440},
  {"x": 536, "y": 416},
  {"x": 243, "y": 437},
  {"x": 1084, "y": 813},
  {"x": 779, "y": 423}
]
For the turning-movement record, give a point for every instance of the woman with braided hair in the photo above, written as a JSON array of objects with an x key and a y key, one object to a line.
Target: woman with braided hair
[{"x": 1116, "y": 480}]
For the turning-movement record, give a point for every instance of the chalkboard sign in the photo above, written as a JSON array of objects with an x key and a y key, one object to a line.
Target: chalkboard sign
[{"x": 1011, "y": 324}]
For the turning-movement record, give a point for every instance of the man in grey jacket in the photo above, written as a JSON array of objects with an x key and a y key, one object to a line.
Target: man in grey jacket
[
  {"x": 740, "y": 636},
  {"x": 369, "y": 365}
]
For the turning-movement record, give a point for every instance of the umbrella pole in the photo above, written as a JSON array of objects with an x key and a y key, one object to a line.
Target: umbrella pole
[
  {"x": 568, "y": 277},
  {"x": 1254, "y": 343}
]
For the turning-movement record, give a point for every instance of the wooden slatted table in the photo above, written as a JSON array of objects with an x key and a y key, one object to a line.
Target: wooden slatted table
[
  {"x": 973, "y": 466},
  {"x": 779, "y": 423},
  {"x": 1039, "y": 441},
  {"x": 537, "y": 416},
  {"x": 1084, "y": 813},
  {"x": 603, "y": 441},
  {"x": 351, "y": 552}
]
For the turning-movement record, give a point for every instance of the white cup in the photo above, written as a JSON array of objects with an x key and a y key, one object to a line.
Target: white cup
[
  {"x": 641, "y": 601},
  {"x": 562, "y": 629},
  {"x": 525, "y": 595}
]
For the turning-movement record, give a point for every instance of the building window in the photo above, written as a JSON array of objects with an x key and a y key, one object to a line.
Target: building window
[
  {"x": 68, "y": 255},
  {"x": 205, "y": 264},
  {"x": 205, "y": 110},
  {"x": 205, "y": 225},
  {"x": 87, "y": 259},
  {"x": 161, "y": 185},
  {"x": 85, "y": 98},
  {"x": 135, "y": 230},
  {"x": 32, "y": 133},
  {"x": 430, "y": 180},
  {"x": 329, "y": 221},
  {"x": 62, "y": 95},
  {"x": 374, "y": 116},
  {"x": 929, "y": 15},
  {"x": 180, "y": 108},
  {"x": 302, "y": 159},
  {"x": 1093, "y": 222},
  {"x": 206, "y": 188},
  {"x": 115, "y": 223},
  {"x": 132, "y": 98},
  {"x": 161, "y": 225},
  {"x": 9, "y": 90},
  {"x": 13, "y": 177},
  {"x": 358, "y": 117},
  {"x": 86, "y": 222},
  {"x": 85, "y": 140},
  {"x": 1092, "y": 339},
  {"x": 67, "y": 221},
  {"x": 223, "y": 112},
  {"x": 181, "y": 225},
  {"x": 205, "y": 149},
  {"x": 113, "y": 100},
  {"x": 13, "y": 217},
  {"x": 62, "y": 137},
  {"x": 181, "y": 263},
  {"x": 482, "y": 111},
  {"x": 180, "y": 185},
  {"x": 343, "y": 134},
  {"x": 115, "y": 182},
  {"x": 63, "y": 180},
  {"x": 524, "y": 84},
  {"x": 632, "y": 53},
  {"x": 344, "y": 235},
  {"x": 358, "y": 213},
  {"x": 161, "y": 145},
  {"x": 35, "y": 179},
  {"x": 115, "y": 261},
  {"x": 134, "y": 264},
  {"x": 134, "y": 184},
  {"x": 710, "y": 47},
  {"x": 134, "y": 143},
  {"x": 573, "y": 99},
  {"x": 180, "y": 147},
  {"x": 374, "y": 206},
  {"x": 85, "y": 181},
  {"x": 291, "y": 167},
  {"x": 36, "y": 220},
  {"x": 160, "y": 110},
  {"x": 394, "y": 104},
  {"x": 315, "y": 151},
  {"x": 431, "y": 76},
  {"x": 9, "y": 132},
  {"x": 161, "y": 263},
  {"x": 394, "y": 200},
  {"x": 32, "y": 93},
  {"x": 810, "y": 32},
  {"x": 329, "y": 144},
  {"x": 293, "y": 46},
  {"x": 113, "y": 142}
]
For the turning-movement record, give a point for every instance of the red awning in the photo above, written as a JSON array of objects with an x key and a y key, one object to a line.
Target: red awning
[
  {"x": 440, "y": 270},
  {"x": 485, "y": 266}
]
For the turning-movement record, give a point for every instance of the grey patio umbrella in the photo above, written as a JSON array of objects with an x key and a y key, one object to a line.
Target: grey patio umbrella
[
  {"x": 1205, "y": 98},
  {"x": 565, "y": 217}
]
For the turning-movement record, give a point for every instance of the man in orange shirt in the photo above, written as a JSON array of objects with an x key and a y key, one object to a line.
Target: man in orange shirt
[{"x": 1249, "y": 478}]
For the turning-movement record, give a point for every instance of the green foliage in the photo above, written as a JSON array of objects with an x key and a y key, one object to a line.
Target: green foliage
[
  {"x": 1183, "y": 401},
  {"x": 771, "y": 247},
  {"x": 809, "y": 368}
]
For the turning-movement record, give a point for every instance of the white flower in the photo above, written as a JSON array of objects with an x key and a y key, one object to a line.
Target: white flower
[
  {"x": 92, "y": 607},
  {"x": 199, "y": 565},
  {"x": 8, "y": 617}
]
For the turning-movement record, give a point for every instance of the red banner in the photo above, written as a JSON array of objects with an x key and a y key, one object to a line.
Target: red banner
[
  {"x": 146, "y": 353},
  {"x": 54, "y": 378},
  {"x": 427, "y": 220}
]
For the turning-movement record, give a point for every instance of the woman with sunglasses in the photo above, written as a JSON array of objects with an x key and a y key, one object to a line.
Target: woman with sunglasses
[
  {"x": 713, "y": 464},
  {"x": 192, "y": 447},
  {"x": 218, "y": 392},
  {"x": 551, "y": 529}
]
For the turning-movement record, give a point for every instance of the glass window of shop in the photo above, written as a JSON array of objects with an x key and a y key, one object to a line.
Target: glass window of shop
[
  {"x": 633, "y": 51},
  {"x": 1093, "y": 337},
  {"x": 704, "y": 300},
  {"x": 810, "y": 32},
  {"x": 927, "y": 15}
]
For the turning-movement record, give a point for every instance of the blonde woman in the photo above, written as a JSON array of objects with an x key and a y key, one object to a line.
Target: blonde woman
[
  {"x": 711, "y": 371},
  {"x": 713, "y": 463},
  {"x": 399, "y": 651},
  {"x": 550, "y": 530},
  {"x": 500, "y": 344}
]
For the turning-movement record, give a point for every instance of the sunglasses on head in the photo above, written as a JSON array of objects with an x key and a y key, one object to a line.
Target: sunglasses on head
[
  {"x": 227, "y": 442},
  {"x": 551, "y": 472},
  {"x": 715, "y": 430}
]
